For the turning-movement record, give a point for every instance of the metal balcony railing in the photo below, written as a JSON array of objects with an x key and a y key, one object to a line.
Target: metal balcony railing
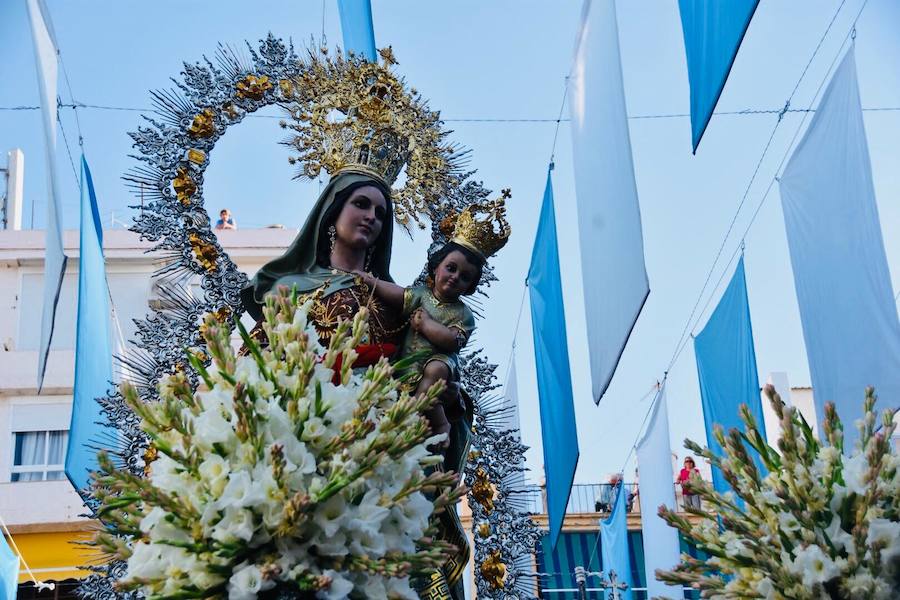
[{"x": 588, "y": 498}]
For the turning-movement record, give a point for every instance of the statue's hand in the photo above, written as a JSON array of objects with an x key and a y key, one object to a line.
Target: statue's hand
[{"x": 366, "y": 278}]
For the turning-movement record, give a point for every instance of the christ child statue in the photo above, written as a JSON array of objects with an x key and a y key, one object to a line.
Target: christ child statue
[{"x": 440, "y": 324}]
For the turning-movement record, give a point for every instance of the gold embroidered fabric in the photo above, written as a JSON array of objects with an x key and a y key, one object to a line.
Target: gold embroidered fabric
[{"x": 450, "y": 314}]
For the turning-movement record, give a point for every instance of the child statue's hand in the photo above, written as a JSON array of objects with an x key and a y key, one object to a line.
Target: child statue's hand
[{"x": 420, "y": 319}]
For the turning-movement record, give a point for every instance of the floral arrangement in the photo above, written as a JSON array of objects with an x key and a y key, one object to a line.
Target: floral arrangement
[
  {"x": 819, "y": 524},
  {"x": 289, "y": 472}
]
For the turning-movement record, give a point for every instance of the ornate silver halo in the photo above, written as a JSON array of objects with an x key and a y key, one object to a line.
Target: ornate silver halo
[{"x": 173, "y": 149}]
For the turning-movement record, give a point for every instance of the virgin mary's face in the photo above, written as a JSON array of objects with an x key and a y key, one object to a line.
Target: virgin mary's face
[{"x": 361, "y": 219}]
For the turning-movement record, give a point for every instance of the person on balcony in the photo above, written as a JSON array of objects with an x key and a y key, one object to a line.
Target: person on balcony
[{"x": 684, "y": 476}]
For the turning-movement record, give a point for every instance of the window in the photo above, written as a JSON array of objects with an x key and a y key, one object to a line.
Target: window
[{"x": 38, "y": 455}]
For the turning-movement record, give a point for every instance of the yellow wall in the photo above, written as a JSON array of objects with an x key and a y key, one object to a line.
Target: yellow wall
[{"x": 53, "y": 555}]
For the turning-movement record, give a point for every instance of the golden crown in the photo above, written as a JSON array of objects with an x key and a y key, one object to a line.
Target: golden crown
[
  {"x": 349, "y": 114},
  {"x": 483, "y": 236}
]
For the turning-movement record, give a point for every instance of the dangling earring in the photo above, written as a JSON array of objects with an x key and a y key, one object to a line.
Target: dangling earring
[
  {"x": 369, "y": 254},
  {"x": 332, "y": 236}
]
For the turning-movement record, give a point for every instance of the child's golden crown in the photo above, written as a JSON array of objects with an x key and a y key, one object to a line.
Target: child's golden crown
[{"x": 484, "y": 236}]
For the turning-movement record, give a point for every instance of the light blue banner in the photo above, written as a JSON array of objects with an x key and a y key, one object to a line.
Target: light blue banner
[
  {"x": 609, "y": 217},
  {"x": 654, "y": 457},
  {"x": 713, "y": 32},
  {"x": 54, "y": 258},
  {"x": 726, "y": 364},
  {"x": 93, "y": 363},
  {"x": 551, "y": 356},
  {"x": 356, "y": 27},
  {"x": 847, "y": 304},
  {"x": 614, "y": 544},
  {"x": 9, "y": 571}
]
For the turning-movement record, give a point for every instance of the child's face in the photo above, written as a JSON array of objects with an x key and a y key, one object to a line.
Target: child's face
[{"x": 454, "y": 276}]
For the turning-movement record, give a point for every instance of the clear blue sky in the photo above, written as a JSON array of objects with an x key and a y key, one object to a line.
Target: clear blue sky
[{"x": 506, "y": 60}]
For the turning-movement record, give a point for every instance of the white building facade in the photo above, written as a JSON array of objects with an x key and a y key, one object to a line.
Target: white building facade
[{"x": 37, "y": 502}]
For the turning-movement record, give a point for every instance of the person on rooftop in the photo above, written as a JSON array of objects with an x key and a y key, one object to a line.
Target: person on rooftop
[{"x": 226, "y": 221}]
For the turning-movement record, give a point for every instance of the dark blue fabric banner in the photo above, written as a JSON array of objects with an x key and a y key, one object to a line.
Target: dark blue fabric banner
[
  {"x": 713, "y": 31},
  {"x": 551, "y": 357},
  {"x": 726, "y": 364},
  {"x": 356, "y": 27},
  {"x": 93, "y": 362}
]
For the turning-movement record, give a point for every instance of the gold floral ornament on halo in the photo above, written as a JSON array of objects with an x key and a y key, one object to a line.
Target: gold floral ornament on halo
[
  {"x": 253, "y": 87},
  {"x": 493, "y": 570},
  {"x": 351, "y": 114},
  {"x": 184, "y": 186},
  {"x": 483, "y": 491},
  {"x": 206, "y": 253},
  {"x": 203, "y": 125}
]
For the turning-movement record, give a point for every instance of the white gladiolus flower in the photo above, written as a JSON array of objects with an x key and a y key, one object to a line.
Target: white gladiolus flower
[
  {"x": 840, "y": 538},
  {"x": 855, "y": 469},
  {"x": 814, "y": 566},
  {"x": 212, "y": 428},
  {"x": 217, "y": 399},
  {"x": 146, "y": 561},
  {"x": 237, "y": 524},
  {"x": 247, "y": 494},
  {"x": 331, "y": 515},
  {"x": 882, "y": 531},
  {"x": 245, "y": 583},
  {"x": 313, "y": 430},
  {"x": 339, "y": 589},
  {"x": 238, "y": 491},
  {"x": 788, "y": 522},
  {"x": 214, "y": 471}
]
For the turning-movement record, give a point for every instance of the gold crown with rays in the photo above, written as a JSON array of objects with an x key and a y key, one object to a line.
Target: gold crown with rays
[
  {"x": 486, "y": 235},
  {"x": 348, "y": 114}
]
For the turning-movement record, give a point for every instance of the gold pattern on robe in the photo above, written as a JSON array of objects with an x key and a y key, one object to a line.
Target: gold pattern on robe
[{"x": 327, "y": 312}]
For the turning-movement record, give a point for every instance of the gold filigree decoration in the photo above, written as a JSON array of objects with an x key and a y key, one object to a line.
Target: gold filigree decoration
[
  {"x": 387, "y": 55},
  {"x": 483, "y": 490},
  {"x": 484, "y": 529},
  {"x": 198, "y": 157},
  {"x": 206, "y": 253},
  {"x": 231, "y": 111},
  {"x": 287, "y": 88},
  {"x": 253, "y": 87},
  {"x": 484, "y": 236},
  {"x": 493, "y": 570},
  {"x": 203, "y": 125},
  {"x": 150, "y": 455},
  {"x": 184, "y": 186},
  {"x": 351, "y": 114}
]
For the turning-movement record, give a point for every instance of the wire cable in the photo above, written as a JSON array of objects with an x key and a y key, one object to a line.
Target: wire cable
[{"x": 722, "y": 113}]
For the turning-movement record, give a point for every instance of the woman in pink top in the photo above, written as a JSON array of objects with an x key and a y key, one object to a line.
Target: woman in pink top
[{"x": 688, "y": 471}]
